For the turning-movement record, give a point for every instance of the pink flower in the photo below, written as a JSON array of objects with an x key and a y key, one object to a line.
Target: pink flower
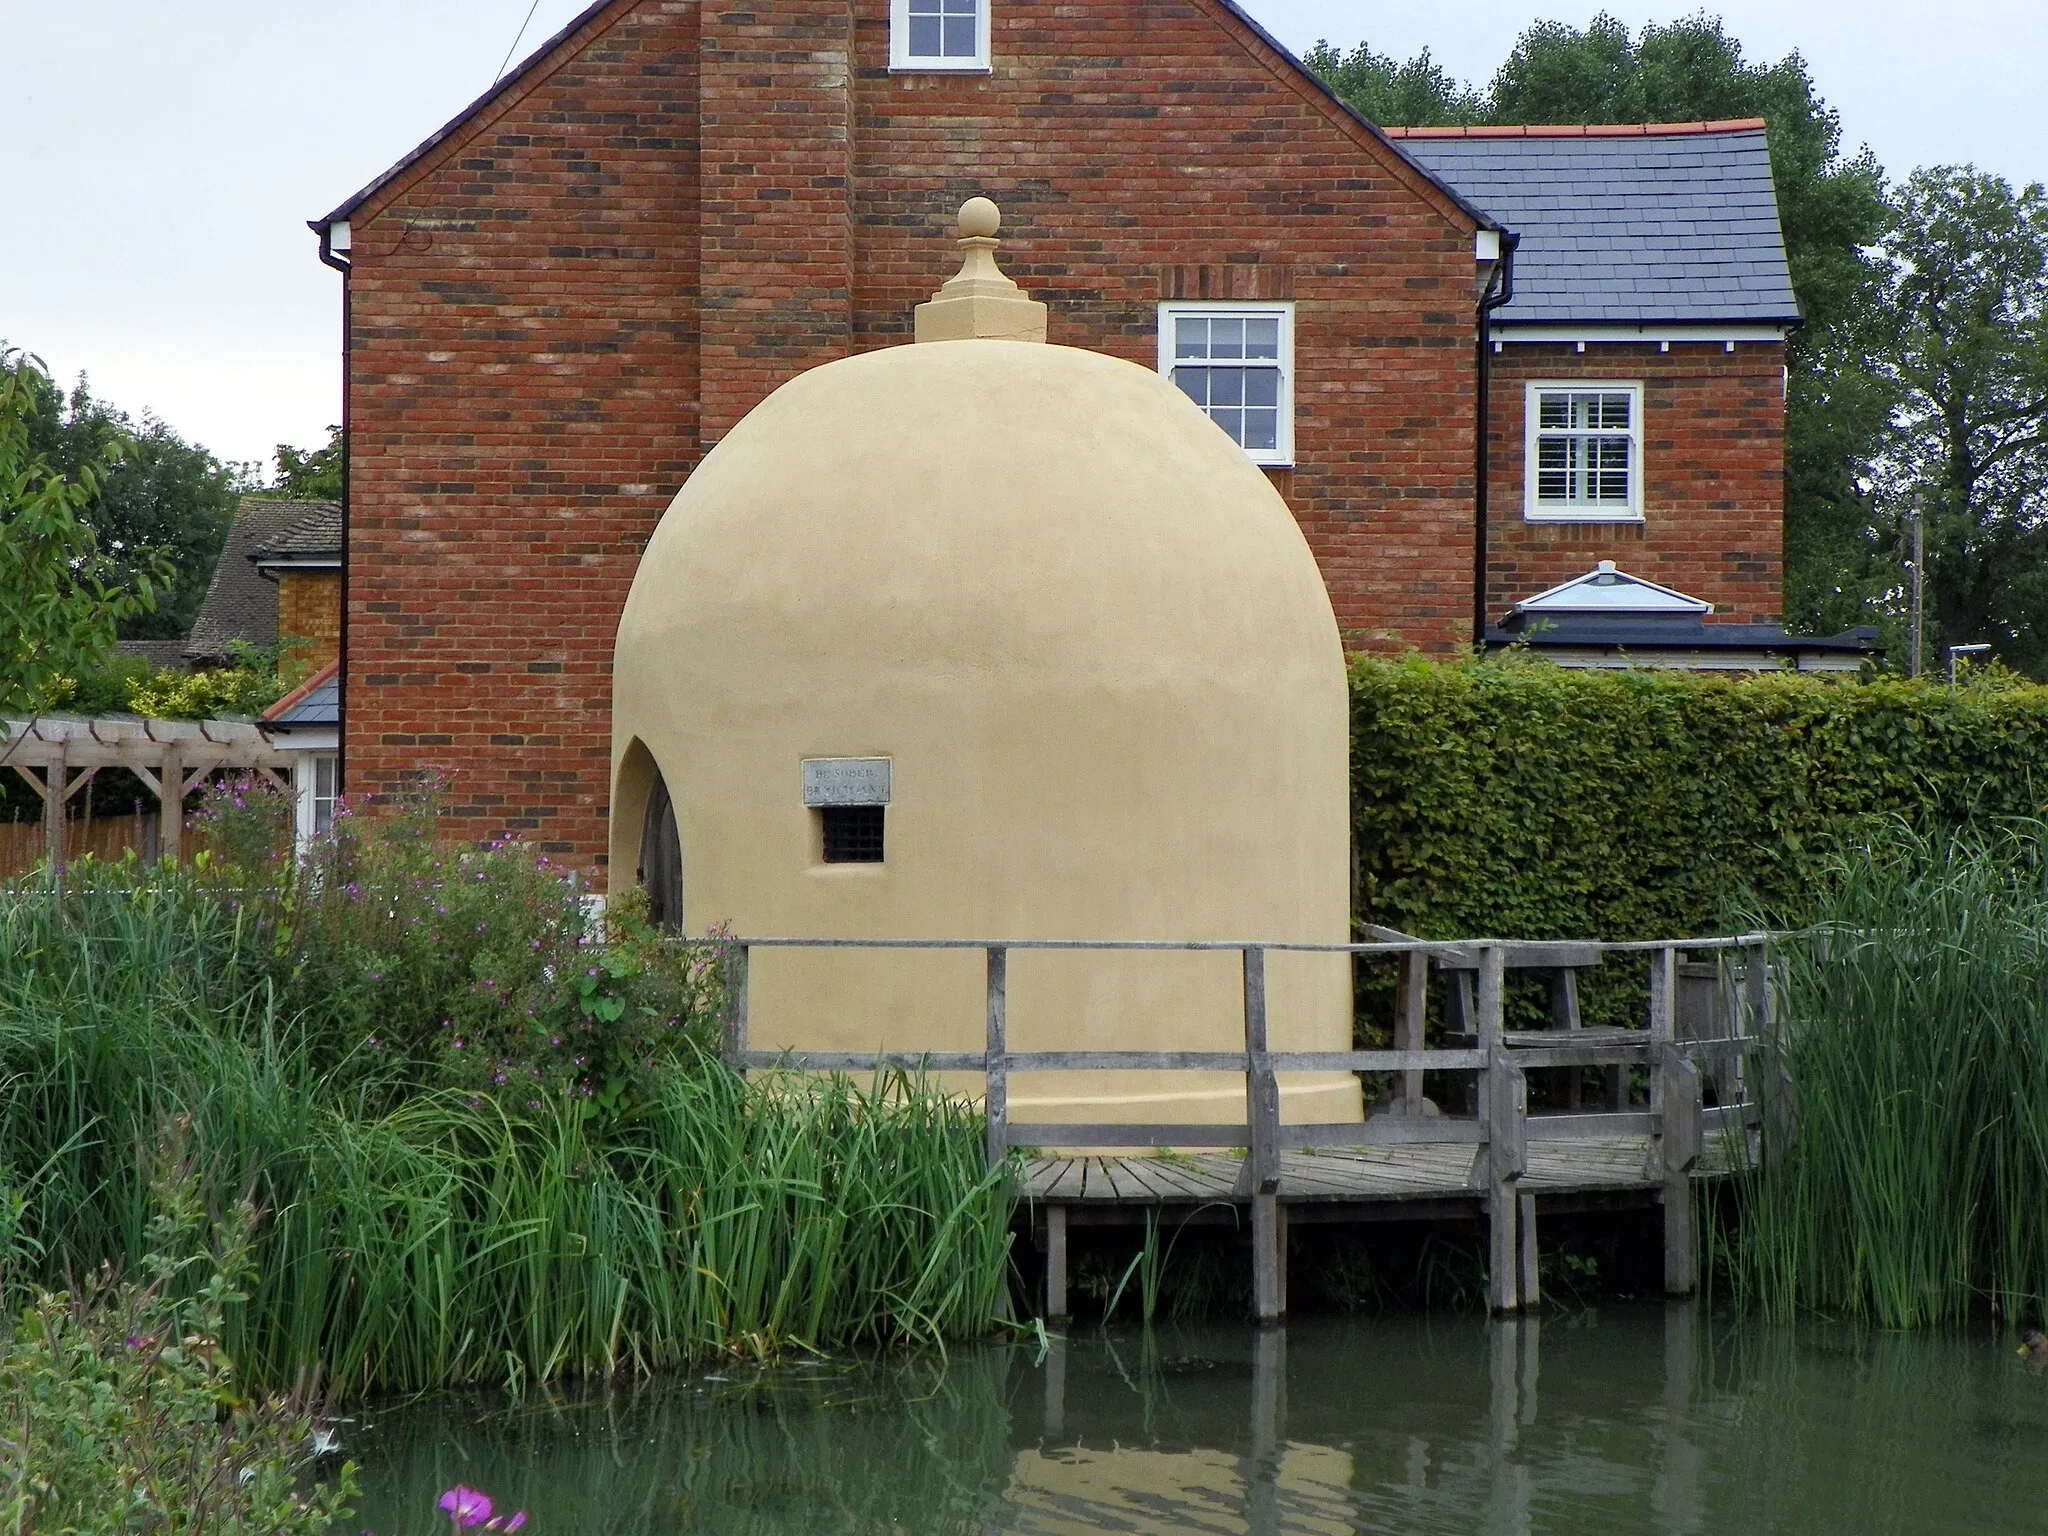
[{"x": 465, "y": 1507}]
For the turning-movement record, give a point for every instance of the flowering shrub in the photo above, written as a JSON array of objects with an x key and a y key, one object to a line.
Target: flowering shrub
[
  {"x": 244, "y": 826},
  {"x": 119, "y": 1410},
  {"x": 479, "y": 969}
]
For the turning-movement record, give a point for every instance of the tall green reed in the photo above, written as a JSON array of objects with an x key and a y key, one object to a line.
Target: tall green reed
[
  {"x": 1912, "y": 1059},
  {"x": 416, "y": 1235}
]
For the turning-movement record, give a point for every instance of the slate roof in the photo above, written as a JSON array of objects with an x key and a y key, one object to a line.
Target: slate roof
[
  {"x": 1673, "y": 223},
  {"x": 315, "y": 702},
  {"x": 240, "y": 603}
]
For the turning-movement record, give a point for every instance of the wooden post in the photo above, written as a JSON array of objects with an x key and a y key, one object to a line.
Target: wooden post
[
  {"x": 736, "y": 1009},
  {"x": 1056, "y": 1386},
  {"x": 1766, "y": 1081},
  {"x": 1564, "y": 1014},
  {"x": 1503, "y": 1103},
  {"x": 1682, "y": 1118},
  {"x": 1525, "y": 1232},
  {"x": 54, "y": 775},
  {"x": 1262, "y": 1116},
  {"x": 1675, "y": 1100},
  {"x": 1055, "y": 1261},
  {"x": 1411, "y": 1010},
  {"x": 170, "y": 796},
  {"x": 1269, "y": 1432},
  {"x": 996, "y": 1065}
]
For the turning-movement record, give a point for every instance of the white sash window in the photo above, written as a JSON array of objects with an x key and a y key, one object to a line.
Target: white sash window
[
  {"x": 1236, "y": 361},
  {"x": 1584, "y": 452}
]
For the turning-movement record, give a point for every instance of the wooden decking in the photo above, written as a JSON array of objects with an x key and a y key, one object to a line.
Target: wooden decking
[
  {"x": 1356, "y": 1175},
  {"x": 1674, "y": 1101}
]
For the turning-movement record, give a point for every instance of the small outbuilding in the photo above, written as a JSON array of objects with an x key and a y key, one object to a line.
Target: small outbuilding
[{"x": 993, "y": 639}]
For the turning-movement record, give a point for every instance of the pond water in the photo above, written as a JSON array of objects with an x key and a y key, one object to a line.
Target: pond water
[{"x": 1632, "y": 1418}]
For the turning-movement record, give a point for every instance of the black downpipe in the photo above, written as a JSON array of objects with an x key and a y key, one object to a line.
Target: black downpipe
[
  {"x": 1500, "y": 290},
  {"x": 341, "y": 265}
]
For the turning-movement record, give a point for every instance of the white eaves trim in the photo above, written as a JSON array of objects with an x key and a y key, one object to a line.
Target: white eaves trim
[
  {"x": 1508, "y": 330},
  {"x": 305, "y": 738}
]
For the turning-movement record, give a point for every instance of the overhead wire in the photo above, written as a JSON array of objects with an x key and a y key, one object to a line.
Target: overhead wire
[{"x": 521, "y": 33}]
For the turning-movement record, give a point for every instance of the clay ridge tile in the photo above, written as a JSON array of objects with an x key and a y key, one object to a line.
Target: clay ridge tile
[{"x": 1577, "y": 130}]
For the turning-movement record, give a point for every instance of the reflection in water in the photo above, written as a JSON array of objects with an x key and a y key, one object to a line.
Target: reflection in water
[{"x": 1647, "y": 1418}]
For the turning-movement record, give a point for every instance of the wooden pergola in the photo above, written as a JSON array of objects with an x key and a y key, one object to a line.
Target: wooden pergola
[{"x": 59, "y": 755}]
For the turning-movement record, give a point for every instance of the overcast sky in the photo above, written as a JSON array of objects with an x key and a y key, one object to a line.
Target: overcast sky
[{"x": 161, "y": 157}]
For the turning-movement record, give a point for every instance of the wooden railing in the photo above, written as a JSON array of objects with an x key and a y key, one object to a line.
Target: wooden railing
[{"x": 1675, "y": 1117}]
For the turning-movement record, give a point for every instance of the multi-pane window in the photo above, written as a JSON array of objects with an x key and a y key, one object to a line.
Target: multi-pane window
[
  {"x": 939, "y": 34},
  {"x": 1235, "y": 362},
  {"x": 1584, "y": 452},
  {"x": 323, "y": 794},
  {"x": 314, "y": 781}
]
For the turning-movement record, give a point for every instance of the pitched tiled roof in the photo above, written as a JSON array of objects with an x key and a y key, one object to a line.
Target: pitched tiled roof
[
  {"x": 158, "y": 653},
  {"x": 316, "y": 534},
  {"x": 241, "y": 604},
  {"x": 1670, "y": 222}
]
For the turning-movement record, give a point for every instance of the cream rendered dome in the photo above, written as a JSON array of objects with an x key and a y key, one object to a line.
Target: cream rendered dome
[{"x": 1099, "y": 657}]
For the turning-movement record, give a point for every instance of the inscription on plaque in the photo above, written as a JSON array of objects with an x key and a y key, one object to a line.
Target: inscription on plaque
[{"x": 846, "y": 781}]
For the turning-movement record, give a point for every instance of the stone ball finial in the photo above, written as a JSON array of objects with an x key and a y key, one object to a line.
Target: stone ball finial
[{"x": 979, "y": 219}]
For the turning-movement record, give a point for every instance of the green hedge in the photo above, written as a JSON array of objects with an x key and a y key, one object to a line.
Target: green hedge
[{"x": 1512, "y": 798}]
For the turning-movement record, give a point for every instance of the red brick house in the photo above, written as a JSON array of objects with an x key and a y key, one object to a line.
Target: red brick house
[{"x": 562, "y": 299}]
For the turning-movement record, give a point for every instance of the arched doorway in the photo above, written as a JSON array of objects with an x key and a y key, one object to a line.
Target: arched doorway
[{"x": 661, "y": 859}]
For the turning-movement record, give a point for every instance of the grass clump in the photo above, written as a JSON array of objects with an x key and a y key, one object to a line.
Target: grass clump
[
  {"x": 487, "y": 1146},
  {"x": 1912, "y": 1074},
  {"x": 120, "y": 1407}
]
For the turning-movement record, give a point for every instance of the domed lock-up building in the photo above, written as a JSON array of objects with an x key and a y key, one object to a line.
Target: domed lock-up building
[{"x": 986, "y": 638}]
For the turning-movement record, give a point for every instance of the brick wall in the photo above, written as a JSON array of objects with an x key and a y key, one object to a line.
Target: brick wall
[
  {"x": 1713, "y": 476},
  {"x": 564, "y": 301},
  {"x": 309, "y": 614},
  {"x": 523, "y": 400}
]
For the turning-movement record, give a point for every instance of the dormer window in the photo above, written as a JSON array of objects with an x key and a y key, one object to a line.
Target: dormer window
[
  {"x": 938, "y": 34},
  {"x": 1583, "y": 460}
]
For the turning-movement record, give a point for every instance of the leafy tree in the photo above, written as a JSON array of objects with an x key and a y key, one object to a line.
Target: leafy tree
[
  {"x": 160, "y": 495},
  {"x": 1966, "y": 301},
  {"x": 62, "y": 597},
  {"x": 1416, "y": 94},
  {"x": 1832, "y": 208},
  {"x": 311, "y": 474}
]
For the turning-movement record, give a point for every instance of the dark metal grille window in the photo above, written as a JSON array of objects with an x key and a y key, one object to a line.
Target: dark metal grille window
[{"x": 853, "y": 833}]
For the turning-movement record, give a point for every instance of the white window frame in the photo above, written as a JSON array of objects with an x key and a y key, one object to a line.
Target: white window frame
[
  {"x": 901, "y": 58},
  {"x": 306, "y": 781},
  {"x": 1535, "y": 509},
  {"x": 1281, "y": 454}
]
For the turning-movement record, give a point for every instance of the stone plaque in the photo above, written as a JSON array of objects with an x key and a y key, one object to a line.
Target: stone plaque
[{"x": 846, "y": 781}]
